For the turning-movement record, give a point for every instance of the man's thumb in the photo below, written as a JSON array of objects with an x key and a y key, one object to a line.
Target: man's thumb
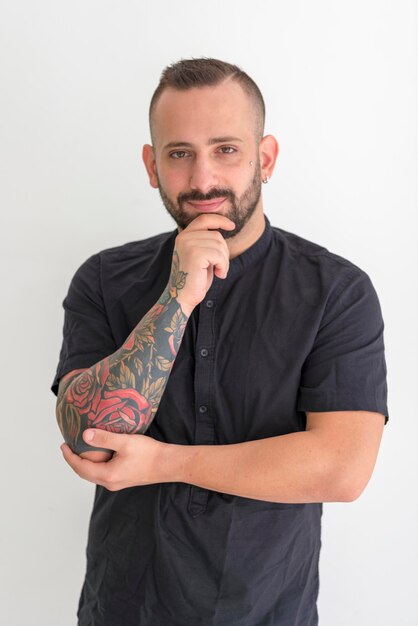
[{"x": 102, "y": 438}]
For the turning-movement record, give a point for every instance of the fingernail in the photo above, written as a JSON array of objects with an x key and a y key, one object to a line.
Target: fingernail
[{"x": 88, "y": 435}]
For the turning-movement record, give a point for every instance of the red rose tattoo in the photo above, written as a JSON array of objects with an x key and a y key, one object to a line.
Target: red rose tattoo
[
  {"x": 121, "y": 411},
  {"x": 81, "y": 392}
]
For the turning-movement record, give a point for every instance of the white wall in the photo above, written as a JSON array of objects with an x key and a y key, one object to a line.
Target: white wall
[{"x": 340, "y": 85}]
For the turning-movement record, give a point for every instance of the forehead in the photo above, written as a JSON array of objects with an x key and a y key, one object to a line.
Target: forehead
[{"x": 198, "y": 113}]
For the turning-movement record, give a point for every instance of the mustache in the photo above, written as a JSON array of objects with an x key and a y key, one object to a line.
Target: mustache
[{"x": 201, "y": 197}]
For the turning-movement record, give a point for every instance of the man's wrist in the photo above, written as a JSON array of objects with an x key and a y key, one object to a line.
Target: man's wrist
[
  {"x": 175, "y": 461},
  {"x": 185, "y": 307}
]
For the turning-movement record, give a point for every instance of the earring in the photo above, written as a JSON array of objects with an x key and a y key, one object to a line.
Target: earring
[
  {"x": 266, "y": 180},
  {"x": 251, "y": 163}
]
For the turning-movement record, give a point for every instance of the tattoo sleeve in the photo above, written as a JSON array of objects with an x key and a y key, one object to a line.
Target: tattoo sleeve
[{"x": 121, "y": 393}]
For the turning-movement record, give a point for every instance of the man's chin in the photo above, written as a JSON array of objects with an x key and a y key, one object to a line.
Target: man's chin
[{"x": 222, "y": 209}]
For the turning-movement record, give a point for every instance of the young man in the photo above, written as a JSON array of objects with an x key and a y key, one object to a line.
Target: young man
[{"x": 249, "y": 363}]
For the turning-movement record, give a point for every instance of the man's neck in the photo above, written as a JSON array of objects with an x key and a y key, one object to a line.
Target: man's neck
[{"x": 250, "y": 233}]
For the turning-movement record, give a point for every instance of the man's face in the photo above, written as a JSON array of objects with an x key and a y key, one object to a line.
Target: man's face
[{"x": 203, "y": 171}]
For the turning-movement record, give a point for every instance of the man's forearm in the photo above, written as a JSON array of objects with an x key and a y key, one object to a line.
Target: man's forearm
[
  {"x": 121, "y": 393},
  {"x": 293, "y": 468}
]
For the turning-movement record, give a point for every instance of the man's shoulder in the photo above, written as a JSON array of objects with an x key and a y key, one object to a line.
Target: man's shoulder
[
  {"x": 127, "y": 259},
  {"x": 303, "y": 251},
  {"x": 138, "y": 248}
]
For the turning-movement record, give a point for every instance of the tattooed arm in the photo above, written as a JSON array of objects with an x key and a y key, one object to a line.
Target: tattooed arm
[{"x": 121, "y": 393}]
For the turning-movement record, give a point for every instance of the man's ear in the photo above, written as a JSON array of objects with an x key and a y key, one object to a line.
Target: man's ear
[
  {"x": 268, "y": 151},
  {"x": 148, "y": 156}
]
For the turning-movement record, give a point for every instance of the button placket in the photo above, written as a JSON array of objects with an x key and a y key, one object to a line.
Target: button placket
[{"x": 204, "y": 367}]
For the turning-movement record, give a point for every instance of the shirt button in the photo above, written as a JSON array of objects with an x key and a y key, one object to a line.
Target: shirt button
[
  {"x": 209, "y": 304},
  {"x": 204, "y": 352},
  {"x": 203, "y": 408}
]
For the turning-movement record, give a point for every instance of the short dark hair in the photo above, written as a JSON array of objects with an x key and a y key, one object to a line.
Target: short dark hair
[{"x": 189, "y": 73}]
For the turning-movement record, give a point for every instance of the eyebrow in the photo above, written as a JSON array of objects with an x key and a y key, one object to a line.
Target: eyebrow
[{"x": 211, "y": 141}]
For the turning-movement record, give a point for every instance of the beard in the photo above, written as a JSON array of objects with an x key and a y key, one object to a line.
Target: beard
[{"x": 240, "y": 210}]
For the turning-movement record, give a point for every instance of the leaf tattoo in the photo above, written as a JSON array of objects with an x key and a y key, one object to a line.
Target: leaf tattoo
[{"x": 177, "y": 278}]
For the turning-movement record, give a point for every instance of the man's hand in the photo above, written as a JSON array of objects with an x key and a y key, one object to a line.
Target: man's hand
[
  {"x": 137, "y": 460},
  {"x": 200, "y": 251}
]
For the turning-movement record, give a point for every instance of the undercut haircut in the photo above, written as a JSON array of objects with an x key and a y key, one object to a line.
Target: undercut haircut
[{"x": 202, "y": 72}]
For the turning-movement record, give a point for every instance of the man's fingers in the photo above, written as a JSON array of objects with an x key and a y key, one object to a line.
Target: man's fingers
[
  {"x": 89, "y": 470},
  {"x": 98, "y": 472},
  {"x": 207, "y": 221}
]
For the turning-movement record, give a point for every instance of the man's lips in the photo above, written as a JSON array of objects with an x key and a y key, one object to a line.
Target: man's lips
[{"x": 208, "y": 206}]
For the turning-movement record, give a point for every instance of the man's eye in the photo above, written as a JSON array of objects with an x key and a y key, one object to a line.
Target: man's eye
[
  {"x": 177, "y": 152},
  {"x": 228, "y": 148}
]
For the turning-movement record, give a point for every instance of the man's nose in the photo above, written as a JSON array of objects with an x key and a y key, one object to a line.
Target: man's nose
[{"x": 204, "y": 174}]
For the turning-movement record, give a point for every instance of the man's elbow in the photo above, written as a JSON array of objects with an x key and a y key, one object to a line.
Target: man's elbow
[
  {"x": 72, "y": 428},
  {"x": 350, "y": 487},
  {"x": 70, "y": 420}
]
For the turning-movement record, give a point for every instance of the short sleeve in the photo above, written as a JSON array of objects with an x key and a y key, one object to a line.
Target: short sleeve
[
  {"x": 346, "y": 368},
  {"x": 87, "y": 336}
]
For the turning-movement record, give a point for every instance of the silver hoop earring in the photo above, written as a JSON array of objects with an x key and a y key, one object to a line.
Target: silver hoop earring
[
  {"x": 266, "y": 180},
  {"x": 251, "y": 163}
]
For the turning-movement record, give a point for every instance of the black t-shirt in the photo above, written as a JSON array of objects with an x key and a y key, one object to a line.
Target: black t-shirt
[{"x": 293, "y": 328}]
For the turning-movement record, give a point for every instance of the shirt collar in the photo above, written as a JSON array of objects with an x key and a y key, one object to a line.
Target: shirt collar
[{"x": 239, "y": 263}]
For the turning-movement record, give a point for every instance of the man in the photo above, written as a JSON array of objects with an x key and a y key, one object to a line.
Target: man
[{"x": 249, "y": 363}]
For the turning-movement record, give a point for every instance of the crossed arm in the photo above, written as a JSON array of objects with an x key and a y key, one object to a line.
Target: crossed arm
[{"x": 332, "y": 460}]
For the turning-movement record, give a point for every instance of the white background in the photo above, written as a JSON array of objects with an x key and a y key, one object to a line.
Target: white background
[{"x": 340, "y": 85}]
